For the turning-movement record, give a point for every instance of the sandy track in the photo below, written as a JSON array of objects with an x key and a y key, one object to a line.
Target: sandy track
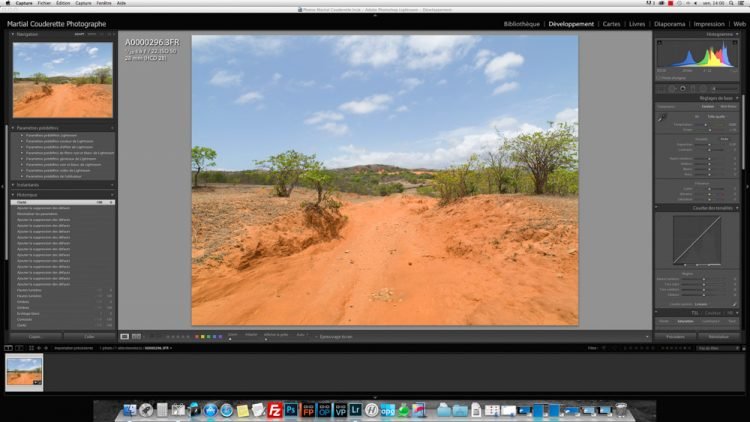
[
  {"x": 402, "y": 260},
  {"x": 66, "y": 100},
  {"x": 24, "y": 378}
]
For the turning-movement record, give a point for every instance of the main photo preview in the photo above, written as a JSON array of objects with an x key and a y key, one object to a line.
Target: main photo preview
[{"x": 384, "y": 180}]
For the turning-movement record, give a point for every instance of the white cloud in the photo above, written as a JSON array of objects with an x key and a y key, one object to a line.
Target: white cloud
[
  {"x": 305, "y": 84},
  {"x": 276, "y": 77},
  {"x": 84, "y": 70},
  {"x": 409, "y": 84},
  {"x": 92, "y": 51},
  {"x": 402, "y": 109},
  {"x": 249, "y": 97},
  {"x": 327, "y": 122},
  {"x": 503, "y": 122},
  {"x": 67, "y": 47},
  {"x": 25, "y": 46},
  {"x": 482, "y": 57},
  {"x": 24, "y": 363},
  {"x": 375, "y": 51},
  {"x": 568, "y": 115},
  {"x": 509, "y": 127},
  {"x": 368, "y": 105},
  {"x": 351, "y": 149},
  {"x": 204, "y": 41},
  {"x": 52, "y": 63},
  {"x": 502, "y": 67},
  {"x": 442, "y": 82},
  {"x": 321, "y": 116},
  {"x": 337, "y": 129},
  {"x": 436, "y": 51},
  {"x": 354, "y": 74},
  {"x": 258, "y": 45},
  {"x": 506, "y": 87},
  {"x": 414, "y": 52},
  {"x": 23, "y": 55},
  {"x": 225, "y": 78},
  {"x": 449, "y": 147}
]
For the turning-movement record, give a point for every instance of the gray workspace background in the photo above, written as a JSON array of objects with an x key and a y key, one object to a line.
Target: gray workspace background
[{"x": 615, "y": 280}]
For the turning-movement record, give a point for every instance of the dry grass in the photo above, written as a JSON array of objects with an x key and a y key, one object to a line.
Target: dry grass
[
  {"x": 25, "y": 89},
  {"x": 565, "y": 207},
  {"x": 222, "y": 213}
]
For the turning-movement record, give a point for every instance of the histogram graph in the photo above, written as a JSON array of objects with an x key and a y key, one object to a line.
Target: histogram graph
[
  {"x": 689, "y": 53},
  {"x": 714, "y": 57}
]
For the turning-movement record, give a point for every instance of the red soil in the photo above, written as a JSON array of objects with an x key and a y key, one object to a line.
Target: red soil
[
  {"x": 23, "y": 378},
  {"x": 65, "y": 100},
  {"x": 399, "y": 260}
]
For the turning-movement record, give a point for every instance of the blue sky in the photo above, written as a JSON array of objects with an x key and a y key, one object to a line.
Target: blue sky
[
  {"x": 411, "y": 101},
  {"x": 24, "y": 364},
  {"x": 55, "y": 59}
]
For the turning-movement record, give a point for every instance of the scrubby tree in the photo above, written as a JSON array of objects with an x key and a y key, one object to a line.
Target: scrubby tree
[
  {"x": 458, "y": 181},
  {"x": 319, "y": 179},
  {"x": 498, "y": 169},
  {"x": 202, "y": 158},
  {"x": 102, "y": 75},
  {"x": 16, "y": 75},
  {"x": 543, "y": 152},
  {"x": 39, "y": 77},
  {"x": 286, "y": 169}
]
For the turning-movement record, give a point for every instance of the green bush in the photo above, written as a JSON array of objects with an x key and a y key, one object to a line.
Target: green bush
[
  {"x": 427, "y": 190},
  {"x": 367, "y": 182},
  {"x": 286, "y": 169},
  {"x": 389, "y": 188},
  {"x": 214, "y": 177},
  {"x": 563, "y": 182},
  {"x": 320, "y": 180},
  {"x": 458, "y": 181}
]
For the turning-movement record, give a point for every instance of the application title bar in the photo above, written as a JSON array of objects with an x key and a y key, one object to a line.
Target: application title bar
[{"x": 373, "y": 4}]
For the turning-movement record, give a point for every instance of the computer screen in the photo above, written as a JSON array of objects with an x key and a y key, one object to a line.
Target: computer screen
[{"x": 426, "y": 209}]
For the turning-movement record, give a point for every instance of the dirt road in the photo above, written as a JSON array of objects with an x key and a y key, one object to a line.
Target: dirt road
[
  {"x": 402, "y": 260},
  {"x": 66, "y": 100},
  {"x": 24, "y": 378}
]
